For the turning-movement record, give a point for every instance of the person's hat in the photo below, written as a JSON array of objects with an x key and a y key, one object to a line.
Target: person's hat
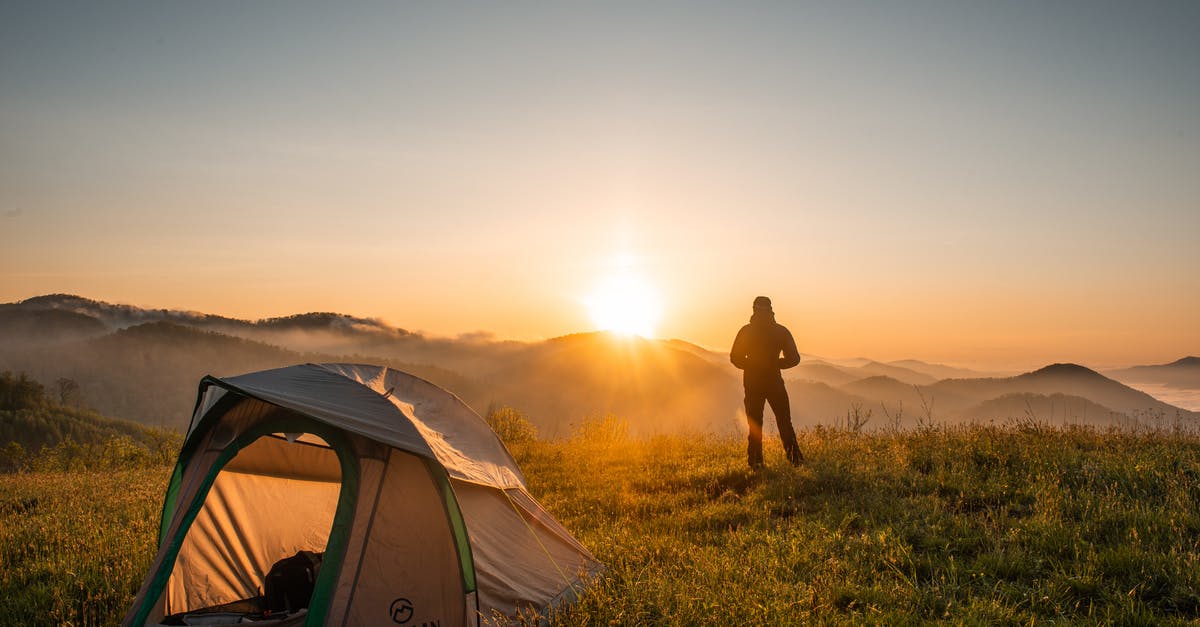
[{"x": 762, "y": 302}]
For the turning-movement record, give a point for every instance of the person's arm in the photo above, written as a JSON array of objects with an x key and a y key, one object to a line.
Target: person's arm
[
  {"x": 738, "y": 354},
  {"x": 791, "y": 355}
]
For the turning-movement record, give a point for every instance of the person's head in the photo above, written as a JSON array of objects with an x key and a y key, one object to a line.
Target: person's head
[{"x": 762, "y": 303}]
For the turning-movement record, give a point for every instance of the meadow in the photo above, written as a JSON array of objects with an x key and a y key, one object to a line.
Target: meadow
[{"x": 1015, "y": 524}]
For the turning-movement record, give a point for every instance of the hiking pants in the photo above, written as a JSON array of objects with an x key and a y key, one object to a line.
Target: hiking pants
[{"x": 757, "y": 395}]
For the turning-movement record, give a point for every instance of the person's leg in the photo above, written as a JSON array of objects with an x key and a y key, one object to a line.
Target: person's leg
[
  {"x": 782, "y": 408},
  {"x": 754, "y": 421}
]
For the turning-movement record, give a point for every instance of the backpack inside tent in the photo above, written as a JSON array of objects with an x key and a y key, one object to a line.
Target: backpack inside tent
[{"x": 344, "y": 494}]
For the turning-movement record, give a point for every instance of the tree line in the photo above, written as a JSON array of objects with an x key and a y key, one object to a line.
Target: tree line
[{"x": 41, "y": 429}]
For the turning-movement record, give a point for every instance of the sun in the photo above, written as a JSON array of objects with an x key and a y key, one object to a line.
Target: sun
[{"x": 625, "y": 304}]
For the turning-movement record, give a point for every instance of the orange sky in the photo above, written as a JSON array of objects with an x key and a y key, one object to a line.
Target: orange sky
[{"x": 995, "y": 186}]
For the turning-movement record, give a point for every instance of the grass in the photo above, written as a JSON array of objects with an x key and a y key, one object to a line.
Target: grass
[
  {"x": 975, "y": 525},
  {"x": 74, "y": 546}
]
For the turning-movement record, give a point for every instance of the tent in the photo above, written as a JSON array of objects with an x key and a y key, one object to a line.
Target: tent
[{"x": 417, "y": 512}]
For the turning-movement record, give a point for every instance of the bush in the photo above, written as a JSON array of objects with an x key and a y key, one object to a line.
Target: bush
[
  {"x": 12, "y": 457},
  {"x": 511, "y": 425}
]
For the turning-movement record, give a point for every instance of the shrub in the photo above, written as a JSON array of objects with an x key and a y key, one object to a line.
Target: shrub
[{"x": 511, "y": 425}]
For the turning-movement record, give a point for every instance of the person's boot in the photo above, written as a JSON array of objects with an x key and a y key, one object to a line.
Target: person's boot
[
  {"x": 754, "y": 455},
  {"x": 795, "y": 456}
]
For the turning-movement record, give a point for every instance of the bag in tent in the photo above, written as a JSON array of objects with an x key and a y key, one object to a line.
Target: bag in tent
[{"x": 406, "y": 505}]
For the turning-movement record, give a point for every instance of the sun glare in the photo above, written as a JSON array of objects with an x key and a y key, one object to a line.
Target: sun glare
[{"x": 625, "y": 304}]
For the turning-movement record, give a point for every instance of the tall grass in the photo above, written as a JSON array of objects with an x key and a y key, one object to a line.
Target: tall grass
[
  {"x": 975, "y": 525},
  {"x": 74, "y": 546}
]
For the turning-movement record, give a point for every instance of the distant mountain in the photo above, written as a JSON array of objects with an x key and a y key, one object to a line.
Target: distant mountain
[
  {"x": 111, "y": 316},
  {"x": 822, "y": 372},
  {"x": 717, "y": 358},
  {"x": 144, "y": 364},
  {"x": 899, "y": 373},
  {"x": 1060, "y": 392},
  {"x": 1052, "y": 409},
  {"x": 79, "y": 316},
  {"x": 815, "y": 403},
  {"x": 835, "y": 375},
  {"x": 20, "y": 326},
  {"x": 656, "y": 386},
  {"x": 149, "y": 372},
  {"x": 1069, "y": 379},
  {"x": 1182, "y": 373},
  {"x": 938, "y": 371}
]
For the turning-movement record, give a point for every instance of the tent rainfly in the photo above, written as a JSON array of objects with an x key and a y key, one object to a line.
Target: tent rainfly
[{"x": 400, "y": 502}]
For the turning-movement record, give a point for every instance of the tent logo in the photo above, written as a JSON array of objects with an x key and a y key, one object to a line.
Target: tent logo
[{"x": 401, "y": 610}]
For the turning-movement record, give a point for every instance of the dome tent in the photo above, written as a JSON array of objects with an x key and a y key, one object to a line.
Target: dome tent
[{"x": 418, "y": 512}]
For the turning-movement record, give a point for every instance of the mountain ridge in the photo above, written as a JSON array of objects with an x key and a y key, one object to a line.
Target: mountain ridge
[{"x": 658, "y": 385}]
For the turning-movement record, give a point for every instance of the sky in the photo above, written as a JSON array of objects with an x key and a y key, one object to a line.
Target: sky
[{"x": 1000, "y": 184}]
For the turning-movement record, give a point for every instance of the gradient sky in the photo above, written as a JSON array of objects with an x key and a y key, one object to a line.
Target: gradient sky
[{"x": 990, "y": 184}]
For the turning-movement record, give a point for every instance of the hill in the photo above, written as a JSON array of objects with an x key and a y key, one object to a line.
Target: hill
[
  {"x": 657, "y": 387},
  {"x": 1182, "y": 373},
  {"x": 1042, "y": 409},
  {"x": 149, "y": 372},
  {"x": 938, "y": 371},
  {"x": 977, "y": 525},
  {"x": 821, "y": 372},
  {"x": 116, "y": 353},
  {"x": 1069, "y": 379},
  {"x": 898, "y": 373},
  {"x": 22, "y": 327},
  {"x": 825, "y": 372},
  {"x": 32, "y": 422}
]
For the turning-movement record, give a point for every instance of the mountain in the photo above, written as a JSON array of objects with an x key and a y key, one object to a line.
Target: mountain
[
  {"x": 821, "y": 372},
  {"x": 144, "y": 364},
  {"x": 899, "y": 373},
  {"x": 1069, "y": 379},
  {"x": 938, "y": 371},
  {"x": 1056, "y": 394},
  {"x": 814, "y": 403},
  {"x": 111, "y": 316},
  {"x": 1182, "y": 373},
  {"x": 1053, "y": 409},
  {"x": 834, "y": 375},
  {"x": 148, "y": 372},
  {"x": 24, "y": 327},
  {"x": 656, "y": 386}
]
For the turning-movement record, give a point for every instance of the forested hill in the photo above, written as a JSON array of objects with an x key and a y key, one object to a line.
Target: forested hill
[{"x": 35, "y": 425}]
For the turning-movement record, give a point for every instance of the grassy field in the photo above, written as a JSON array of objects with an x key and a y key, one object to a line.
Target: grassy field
[{"x": 980, "y": 525}]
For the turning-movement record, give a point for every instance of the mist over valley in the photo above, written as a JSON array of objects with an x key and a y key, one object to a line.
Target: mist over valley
[{"x": 143, "y": 365}]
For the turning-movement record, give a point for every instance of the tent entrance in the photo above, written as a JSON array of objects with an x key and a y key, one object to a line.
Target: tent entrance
[{"x": 272, "y": 500}]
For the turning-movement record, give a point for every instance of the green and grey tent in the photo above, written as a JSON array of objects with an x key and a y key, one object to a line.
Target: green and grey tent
[{"x": 417, "y": 510}]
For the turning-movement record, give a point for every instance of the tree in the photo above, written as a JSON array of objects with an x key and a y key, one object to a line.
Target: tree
[
  {"x": 20, "y": 392},
  {"x": 68, "y": 391}
]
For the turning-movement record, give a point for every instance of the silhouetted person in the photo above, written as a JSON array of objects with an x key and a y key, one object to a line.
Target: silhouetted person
[{"x": 761, "y": 350}]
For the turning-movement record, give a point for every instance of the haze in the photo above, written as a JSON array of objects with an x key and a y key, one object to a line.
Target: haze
[{"x": 999, "y": 186}]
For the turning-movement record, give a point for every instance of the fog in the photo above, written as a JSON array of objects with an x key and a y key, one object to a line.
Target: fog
[{"x": 144, "y": 365}]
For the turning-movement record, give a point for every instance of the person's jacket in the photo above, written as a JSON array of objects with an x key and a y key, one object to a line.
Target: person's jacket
[{"x": 758, "y": 348}]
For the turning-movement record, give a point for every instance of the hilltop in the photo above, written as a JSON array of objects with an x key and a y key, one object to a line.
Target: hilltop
[
  {"x": 963, "y": 525},
  {"x": 1182, "y": 373}
]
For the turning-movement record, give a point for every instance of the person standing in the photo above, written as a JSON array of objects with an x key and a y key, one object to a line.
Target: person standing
[{"x": 761, "y": 350}]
